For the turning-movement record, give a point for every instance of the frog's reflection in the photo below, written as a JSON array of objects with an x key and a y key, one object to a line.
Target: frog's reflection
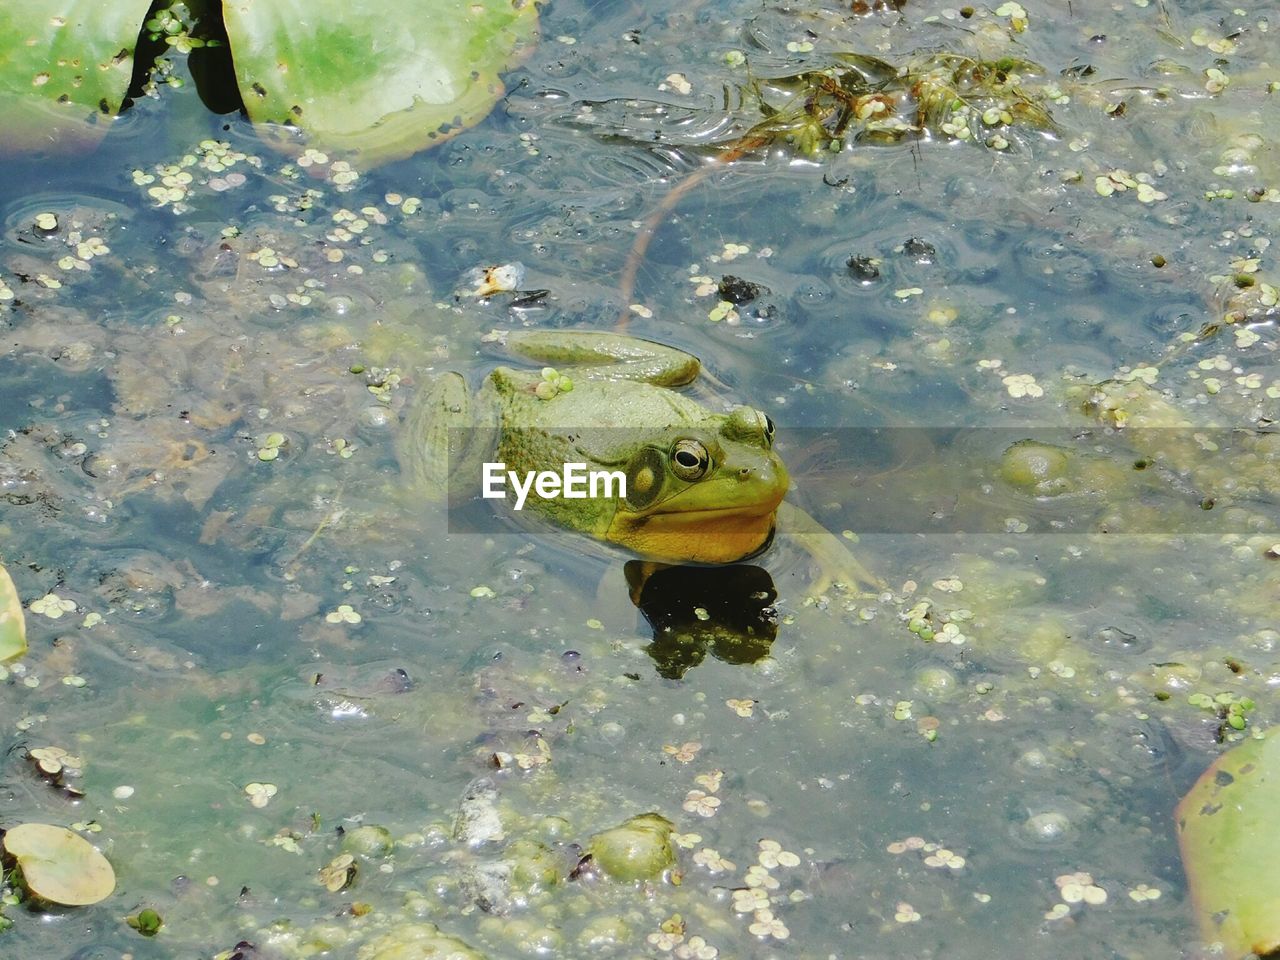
[{"x": 727, "y": 611}]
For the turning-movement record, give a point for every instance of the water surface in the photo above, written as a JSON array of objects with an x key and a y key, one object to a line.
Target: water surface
[{"x": 255, "y": 610}]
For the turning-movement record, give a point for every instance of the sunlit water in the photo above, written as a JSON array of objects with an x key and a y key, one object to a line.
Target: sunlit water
[{"x": 249, "y": 609}]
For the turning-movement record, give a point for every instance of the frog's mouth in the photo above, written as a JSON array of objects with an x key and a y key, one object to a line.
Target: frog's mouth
[{"x": 708, "y": 514}]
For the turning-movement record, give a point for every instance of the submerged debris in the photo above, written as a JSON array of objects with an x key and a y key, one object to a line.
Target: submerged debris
[
  {"x": 498, "y": 278},
  {"x": 853, "y": 98}
]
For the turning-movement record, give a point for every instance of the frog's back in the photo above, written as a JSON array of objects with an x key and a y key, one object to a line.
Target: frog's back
[{"x": 621, "y": 404}]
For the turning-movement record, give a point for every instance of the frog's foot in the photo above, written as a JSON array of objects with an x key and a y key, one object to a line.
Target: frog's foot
[
  {"x": 837, "y": 566},
  {"x": 607, "y": 356},
  {"x": 857, "y": 583}
]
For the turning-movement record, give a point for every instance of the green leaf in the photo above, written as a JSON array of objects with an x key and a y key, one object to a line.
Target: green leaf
[
  {"x": 60, "y": 866},
  {"x": 382, "y": 79},
  {"x": 65, "y": 66},
  {"x": 146, "y": 922},
  {"x": 1231, "y": 848},
  {"x": 13, "y": 624}
]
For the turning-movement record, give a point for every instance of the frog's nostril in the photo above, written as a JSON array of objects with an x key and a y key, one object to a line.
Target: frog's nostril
[{"x": 744, "y": 473}]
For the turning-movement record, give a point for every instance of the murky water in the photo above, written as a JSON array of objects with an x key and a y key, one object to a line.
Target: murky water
[{"x": 265, "y": 640}]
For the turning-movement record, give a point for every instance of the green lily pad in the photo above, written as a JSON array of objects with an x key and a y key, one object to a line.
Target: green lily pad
[
  {"x": 13, "y": 624},
  {"x": 381, "y": 79},
  {"x": 65, "y": 67},
  {"x": 60, "y": 866},
  {"x": 1231, "y": 848}
]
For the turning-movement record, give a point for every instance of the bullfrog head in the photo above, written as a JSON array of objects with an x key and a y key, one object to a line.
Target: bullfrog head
[
  {"x": 700, "y": 486},
  {"x": 706, "y": 494}
]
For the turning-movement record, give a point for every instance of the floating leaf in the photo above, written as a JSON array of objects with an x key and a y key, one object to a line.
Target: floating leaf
[
  {"x": 339, "y": 873},
  {"x": 13, "y": 624},
  {"x": 146, "y": 922},
  {"x": 385, "y": 78},
  {"x": 65, "y": 66},
  {"x": 55, "y": 761},
  {"x": 60, "y": 866},
  {"x": 1231, "y": 849}
]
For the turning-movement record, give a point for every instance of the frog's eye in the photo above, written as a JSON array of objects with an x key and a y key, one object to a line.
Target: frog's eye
[
  {"x": 768, "y": 428},
  {"x": 690, "y": 460}
]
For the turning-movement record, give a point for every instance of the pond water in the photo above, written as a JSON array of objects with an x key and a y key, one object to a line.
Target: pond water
[{"x": 258, "y": 637}]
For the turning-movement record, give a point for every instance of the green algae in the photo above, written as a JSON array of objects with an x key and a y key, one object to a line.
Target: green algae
[
  {"x": 417, "y": 941},
  {"x": 1038, "y": 466},
  {"x": 368, "y": 840},
  {"x": 855, "y": 99},
  {"x": 637, "y": 849}
]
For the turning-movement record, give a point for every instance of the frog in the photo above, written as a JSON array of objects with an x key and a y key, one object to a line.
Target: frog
[{"x": 701, "y": 486}]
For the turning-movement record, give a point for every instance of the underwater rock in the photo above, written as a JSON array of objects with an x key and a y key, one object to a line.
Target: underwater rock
[{"x": 478, "y": 819}]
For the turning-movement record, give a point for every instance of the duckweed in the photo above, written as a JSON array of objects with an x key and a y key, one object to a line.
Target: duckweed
[
  {"x": 260, "y": 794},
  {"x": 53, "y": 606},
  {"x": 345, "y": 613}
]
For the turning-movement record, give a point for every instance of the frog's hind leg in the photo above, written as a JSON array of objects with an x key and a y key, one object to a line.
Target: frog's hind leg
[
  {"x": 607, "y": 356},
  {"x": 434, "y": 434}
]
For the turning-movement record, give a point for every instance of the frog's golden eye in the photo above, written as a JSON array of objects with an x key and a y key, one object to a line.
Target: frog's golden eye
[
  {"x": 690, "y": 460},
  {"x": 768, "y": 428}
]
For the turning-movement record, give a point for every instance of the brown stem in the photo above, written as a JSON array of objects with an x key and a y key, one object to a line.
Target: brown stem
[{"x": 645, "y": 235}]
